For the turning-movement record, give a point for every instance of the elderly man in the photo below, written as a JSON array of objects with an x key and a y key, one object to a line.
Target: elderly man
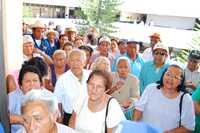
[
  {"x": 148, "y": 54},
  {"x": 192, "y": 71},
  {"x": 72, "y": 83},
  {"x": 134, "y": 56},
  {"x": 152, "y": 71},
  {"x": 103, "y": 50},
  {"x": 71, "y": 33},
  {"x": 40, "y": 111}
]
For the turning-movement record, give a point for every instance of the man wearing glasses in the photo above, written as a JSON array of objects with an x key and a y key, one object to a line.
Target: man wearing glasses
[{"x": 192, "y": 71}]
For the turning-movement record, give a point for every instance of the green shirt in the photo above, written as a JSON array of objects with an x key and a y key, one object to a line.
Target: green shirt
[{"x": 196, "y": 97}]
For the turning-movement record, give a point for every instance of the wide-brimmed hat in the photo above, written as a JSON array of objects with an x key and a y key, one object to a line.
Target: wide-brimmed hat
[
  {"x": 72, "y": 29},
  {"x": 51, "y": 31},
  {"x": 155, "y": 35},
  {"x": 27, "y": 39},
  {"x": 38, "y": 24}
]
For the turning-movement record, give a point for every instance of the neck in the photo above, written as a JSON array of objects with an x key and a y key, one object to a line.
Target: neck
[
  {"x": 170, "y": 93},
  {"x": 97, "y": 104},
  {"x": 79, "y": 75},
  {"x": 133, "y": 57},
  {"x": 54, "y": 129},
  {"x": 158, "y": 65},
  {"x": 60, "y": 69}
]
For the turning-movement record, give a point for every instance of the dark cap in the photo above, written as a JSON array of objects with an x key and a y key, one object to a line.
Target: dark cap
[{"x": 194, "y": 54}]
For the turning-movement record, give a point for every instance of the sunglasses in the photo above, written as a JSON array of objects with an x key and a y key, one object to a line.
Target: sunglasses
[{"x": 159, "y": 53}]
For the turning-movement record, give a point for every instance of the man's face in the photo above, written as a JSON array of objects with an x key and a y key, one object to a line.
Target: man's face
[
  {"x": 159, "y": 56},
  {"x": 38, "y": 117},
  {"x": 193, "y": 64},
  {"x": 37, "y": 32},
  {"x": 71, "y": 35},
  {"x": 133, "y": 49},
  {"x": 154, "y": 40}
]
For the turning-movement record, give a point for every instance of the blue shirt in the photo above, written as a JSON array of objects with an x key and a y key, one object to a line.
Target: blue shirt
[
  {"x": 150, "y": 74},
  {"x": 136, "y": 65},
  {"x": 43, "y": 46},
  {"x": 1, "y": 129},
  {"x": 14, "y": 106},
  {"x": 50, "y": 49}
]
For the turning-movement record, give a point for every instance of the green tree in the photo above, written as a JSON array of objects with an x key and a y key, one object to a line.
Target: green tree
[
  {"x": 101, "y": 14},
  {"x": 183, "y": 54}
]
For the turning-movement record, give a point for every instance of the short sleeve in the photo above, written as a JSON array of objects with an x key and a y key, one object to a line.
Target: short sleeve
[
  {"x": 196, "y": 95},
  {"x": 115, "y": 114},
  {"x": 141, "y": 104},
  {"x": 188, "y": 114}
]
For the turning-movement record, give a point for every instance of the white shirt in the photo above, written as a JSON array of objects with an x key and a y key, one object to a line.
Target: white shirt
[
  {"x": 94, "y": 122},
  {"x": 192, "y": 76},
  {"x": 163, "y": 112},
  {"x": 68, "y": 88},
  {"x": 147, "y": 55},
  {"x": 61, "y": 129}
]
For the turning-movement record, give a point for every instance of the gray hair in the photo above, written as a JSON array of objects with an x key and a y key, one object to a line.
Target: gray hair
[
  {"x": 59, "y": 51},
  {"x": 78, "y": 51},
  {"x": 41, "y": 95},
  {"x": 101, "y": 60},
  {"x": 123, "y": 58}
]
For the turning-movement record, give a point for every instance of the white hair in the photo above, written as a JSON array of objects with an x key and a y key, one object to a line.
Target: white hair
[
  {"x": 101, "y": 60},
  {"x": 41, "y": 95},
  {"x": 59, "y": 51},
  {"x": 78, "y": 51},
  {"x": 124, "y": 58}
]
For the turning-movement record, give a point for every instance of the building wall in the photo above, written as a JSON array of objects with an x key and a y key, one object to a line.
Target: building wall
[{"x": 171, "y": 21}]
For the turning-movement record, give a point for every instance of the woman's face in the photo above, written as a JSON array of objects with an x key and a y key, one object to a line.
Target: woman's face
[
  {"x": 172, "y": 78},
  {"x": 30, "y": 81},
  {"x": 96, "y": 88},
  {"x": 123, "y": 68},
  {"x": 28, "y": 49},
  {"x": 62, "y": 40},
  {"x": 59, "y": 60}
]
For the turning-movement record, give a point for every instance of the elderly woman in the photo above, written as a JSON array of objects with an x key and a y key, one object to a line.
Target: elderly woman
[
  {"x": 29, "y": 78},
  {"x": 101, "y": 63},
  {"x": 72, "y": 83},
  {"x": 98, "y": 112},
  {"x": 41, "y": 111},
  {"x": 125, "y": 85},
  {"x": 165, "y": 105},
  {"x": 60, "y": 65}
]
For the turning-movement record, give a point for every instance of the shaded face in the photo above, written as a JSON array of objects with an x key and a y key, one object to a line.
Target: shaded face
[
  {"x": 76, "y": 63},
  {"x": 28, "y": 49},
  {"x": 133, "y": 49},
  {"x": 96, "y": 88},
  {"x": 67, "y": 49},
  {"x": 154, "y": 40},
  {"x": 193, "y": 64},
  {"x": 62, "y": 41},
  {"x": 122, "y": 48},
  {"x": 87, "y": 55},
  {"x": 59, "y": 60},
  {"x": 37, "y": 32},
  {"x": 78, "y": 43},
  {"x": 51, "y": 36},
  {"x": 30, "y": 81},
  {"x": 103, "y": 48},
  {"x": 123, "y": 68},
  {"x": 114, "y": 45},
  {"x": 71, "y": 35},
  {"x": 172, "y": 78},
  {"x": 38, "y": 117},
  {"x": 159, "y": 56}
]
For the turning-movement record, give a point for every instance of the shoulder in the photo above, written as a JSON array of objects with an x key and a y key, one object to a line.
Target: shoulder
[
  {"x": 132, "y": 77},
  {"x": 151, "y": 88},
  {"x": 64, "y": 129}
]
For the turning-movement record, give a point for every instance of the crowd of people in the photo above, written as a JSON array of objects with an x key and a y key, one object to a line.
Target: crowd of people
[{"x": 72, "y": 83}]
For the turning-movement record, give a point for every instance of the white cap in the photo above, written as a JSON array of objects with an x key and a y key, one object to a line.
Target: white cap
[
  {"x": 161, "y": 46},
  {"x": 27, "y": 39},
  {"x": 105, "y": 39}
]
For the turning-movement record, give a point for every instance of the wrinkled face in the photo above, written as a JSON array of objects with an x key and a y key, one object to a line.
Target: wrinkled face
[
  {"x": 123, "y": 68},
  {"x": 193, "y": 65},
  {"x": 76, "y": 63},
  {"x": 104, "y": 66},
  {"x": 133, "y": 49},
  {"x": 78, "y": 43},
  {"x": 159, "y": 56},
  {"x": 30, "y": 81},
  {"x": 103, "y": 48},
  {"x": 71, "y": 35},
  {"x": 122, "y": 48},
  {"x": 37, "y": 32},
  {"x": 154, "y": 40},
  {"x": 39, "y": 119},
  {"x": 28, "y": 49},
  {"x": 113, "y": 45},
  {"x": 172, "y": 78},
  {"x": 62, "y": 41},
  {"x": 59, "y": 60},
  {"x": 51, "y": 36},
  {"x": 96, "y": 88}
]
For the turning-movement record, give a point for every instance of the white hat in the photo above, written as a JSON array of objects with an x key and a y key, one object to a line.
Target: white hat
[
  {"x": 104, "y": 39},
  {"x": 161, "y": 46},
  {"x": 53, "y": 31},
  {"x": 38, "y": 24},
  {"x": 27, "y": 39}
]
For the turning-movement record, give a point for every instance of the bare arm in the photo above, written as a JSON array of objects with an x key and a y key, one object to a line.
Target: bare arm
[
  {"x": 197, "y": 107},
  {"x": 179, "y": 130},
  {"x": 72, "y": 120},
  {"x": 137, "y": 115},
  {"x": 11, "y": 84},
  {"x": 109, "y": 130}
]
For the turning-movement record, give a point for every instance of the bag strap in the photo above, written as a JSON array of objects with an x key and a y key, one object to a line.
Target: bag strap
[
  {"x": 180, "y": 107},
  {"x": 107, "y": 113}
]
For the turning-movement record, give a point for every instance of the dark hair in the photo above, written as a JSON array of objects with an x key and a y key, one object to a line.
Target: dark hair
[
  {"x": 114, "y": 39},
  {"x": 61, "y": 35},
  {"x": 68, "y": 43},
  {"x": 122, "y": 42},
  {"x": 105, "y": 75},
  {"x": 92, "y": 39},
  {"x": 181, "y": 86},
  {"x": 87, "y": 48},
  {"x": 40, "y": 64},
  {"x": 28, "y": 68}
]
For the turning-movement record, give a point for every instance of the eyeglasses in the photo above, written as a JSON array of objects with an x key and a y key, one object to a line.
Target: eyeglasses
[
  {"x": 168, "y": 74},
  {"x": 98, "y": 87},
  {"x": 159, "y": 53}
]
